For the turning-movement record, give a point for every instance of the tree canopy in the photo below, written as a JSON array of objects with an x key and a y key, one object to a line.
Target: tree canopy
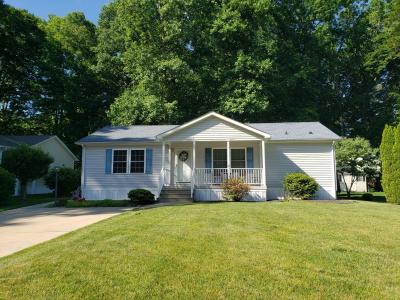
[
  {"x": 26, "y": 164},
  {"x": 157, "y": 62},
  {"x": 356, "y": 157}
]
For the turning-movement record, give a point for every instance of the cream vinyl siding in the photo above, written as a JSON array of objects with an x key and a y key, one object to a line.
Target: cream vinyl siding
[
  {"x": 61, "y": 157},
  {"x": 211, "y": 129},
  {"x": 98, "y": 185},
  {"x": 314, "y": 159}
]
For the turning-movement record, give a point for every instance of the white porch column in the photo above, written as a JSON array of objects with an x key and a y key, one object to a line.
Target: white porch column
[
  {"x": 163, "y": 156},
  {"x": 263, "y": 163},
  {"x": 228, "y": 157},
  {"x": 194, "y": 155},
  {"x": 169, "y": 164},
  {"x": 192, "y": 179}
]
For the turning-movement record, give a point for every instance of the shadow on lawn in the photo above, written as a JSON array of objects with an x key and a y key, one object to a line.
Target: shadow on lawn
[{"x": 378, "y": 197}]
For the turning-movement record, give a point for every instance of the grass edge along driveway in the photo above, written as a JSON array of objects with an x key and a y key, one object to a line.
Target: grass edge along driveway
[{"x": 298, "y": 250}]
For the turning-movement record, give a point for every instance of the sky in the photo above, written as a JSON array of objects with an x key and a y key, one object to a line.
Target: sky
[{"x": 43, "y": 8}]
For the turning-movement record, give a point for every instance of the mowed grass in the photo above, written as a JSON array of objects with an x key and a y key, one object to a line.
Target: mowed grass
[
  {"x": 16, "y": 202},
  {"x": 296, "y": 250}
]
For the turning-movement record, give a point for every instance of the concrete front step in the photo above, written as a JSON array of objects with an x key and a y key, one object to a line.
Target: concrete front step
[
  {"x": 176, "y": 189},
  {"x": 175, "y": 192},
  {"x": 168, "y": 196},
  {"x": 175, "y": 200}
]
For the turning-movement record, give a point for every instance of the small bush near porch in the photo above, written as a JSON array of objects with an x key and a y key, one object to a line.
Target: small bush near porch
[
  {"x": 267, "y": 250},
  {"x": 235, "y": 189}
]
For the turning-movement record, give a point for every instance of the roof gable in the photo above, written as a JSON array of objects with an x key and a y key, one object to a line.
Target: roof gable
[
  {"x": 223, "y": 120},
  {"x": 15, "y": 140}
]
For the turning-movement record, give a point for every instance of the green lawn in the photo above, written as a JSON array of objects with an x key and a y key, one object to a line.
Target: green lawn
[
  {"x": 378, "y": 196},
  {"x": 297, "y": 250},
  {"x": 99, "y": 203},
  {"x": 16, "y": 202}
]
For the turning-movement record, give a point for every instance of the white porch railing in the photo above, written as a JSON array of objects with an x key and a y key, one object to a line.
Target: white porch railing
[{"x": 209, "y": 176}]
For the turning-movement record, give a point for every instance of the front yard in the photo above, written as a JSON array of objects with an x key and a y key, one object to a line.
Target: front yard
[
  {"x": 16, "y": 202},
  {"x": 296, "y": 250}
]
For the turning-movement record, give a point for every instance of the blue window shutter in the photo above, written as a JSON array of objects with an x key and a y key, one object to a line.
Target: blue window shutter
[
  {"x": 207, "y": 156},
  {"x": 108, "y": 161},
  {"x": 149, "y": 161},
  {"x": 250, "y": 157}
]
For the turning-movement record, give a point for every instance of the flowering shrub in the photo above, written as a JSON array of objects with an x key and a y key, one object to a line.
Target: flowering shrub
[{"x": 235, "y": 189}]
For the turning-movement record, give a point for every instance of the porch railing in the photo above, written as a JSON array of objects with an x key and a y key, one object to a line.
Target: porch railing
[{"x": 209, "y": 176}]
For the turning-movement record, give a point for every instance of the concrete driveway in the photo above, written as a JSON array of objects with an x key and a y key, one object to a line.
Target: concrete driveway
[{"x": 24, "y": 227}]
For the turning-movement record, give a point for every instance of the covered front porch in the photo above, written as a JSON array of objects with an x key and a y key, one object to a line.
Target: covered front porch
[
  {"x": 206, "y": 151},
  {"x": 203, "y": 166}
]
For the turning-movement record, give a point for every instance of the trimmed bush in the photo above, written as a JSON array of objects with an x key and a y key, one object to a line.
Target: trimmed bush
[
  {"x": 26, "y": 164},
  {"x": 141, "y": 196},
  {"x": 390, "y": 156},
  {"x": 367, "y": 197},
  {"x": 68, "y": 180},
  {"x": 235, "y": 189},
  {"x": 300, "y": 186},
  {"x": 7, "y": 184}
]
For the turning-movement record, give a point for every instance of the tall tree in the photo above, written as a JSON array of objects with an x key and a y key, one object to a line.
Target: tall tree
[
  {"x": 21, "y": 48},
  {"x": 73, "y": 92}
]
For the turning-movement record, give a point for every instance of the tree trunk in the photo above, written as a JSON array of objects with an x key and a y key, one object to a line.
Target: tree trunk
[{"x": 23, "y": 190}]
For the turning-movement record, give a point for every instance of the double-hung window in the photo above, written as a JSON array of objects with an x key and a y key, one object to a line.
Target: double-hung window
[
  {"x": 137, "y": 161},
  {"x": 120, "y": 159},
  {"x": 128, "y": 161},
  {"x": 238, "y": 158},
  {"x": 220, "y": 158}
]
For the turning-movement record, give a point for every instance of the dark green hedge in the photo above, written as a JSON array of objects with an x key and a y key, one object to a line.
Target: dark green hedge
[
  {"x": 7, "y": 184},
  {"x": 390, "y": 157}
]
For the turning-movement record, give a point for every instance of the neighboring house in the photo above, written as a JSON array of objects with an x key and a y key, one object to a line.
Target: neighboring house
[
  {"x": 201, "y": 154},
  {"x": 360, "y": 185},
  {"x": 52, "y": 145}
]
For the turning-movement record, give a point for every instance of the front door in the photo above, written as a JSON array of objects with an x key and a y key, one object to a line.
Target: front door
[{"x": 183, "y": 158}]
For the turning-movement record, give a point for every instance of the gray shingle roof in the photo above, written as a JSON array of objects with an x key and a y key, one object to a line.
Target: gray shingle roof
[
  {"x": 135, "y": 133},
  {"x": 15, "y": 140},
  {"x": 278, "y": 131},
  {"x": 289, "y": 131}
]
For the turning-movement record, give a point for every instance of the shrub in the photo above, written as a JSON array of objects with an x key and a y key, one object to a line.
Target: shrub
[
  {"x": 389, "y": 151},
  {"x": 7, "y": 184},
  {"x": 300, "y": 186},
  {"x": 367, "y": 197},
  {"x": 141, "y": 196},
  {"x": 68, "y": 180},
  {"x": 235, "y": 189},
  {"x": 27, "y": 164}
]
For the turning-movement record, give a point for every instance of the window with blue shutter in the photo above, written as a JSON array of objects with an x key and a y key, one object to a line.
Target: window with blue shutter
[
  {"x": 207, "y": 162},
  {"x": 108, "y": 161},
  {"x": 250, "y": 157},
  {"x": 149, "y": 161}
]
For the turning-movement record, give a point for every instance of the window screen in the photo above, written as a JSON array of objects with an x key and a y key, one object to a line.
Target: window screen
[
  {"x": 120, "y": 158},
  {"x": 219, "y": 158},
  {"x": 137, "y": 161},
  {"x": 238, "y": 158}
]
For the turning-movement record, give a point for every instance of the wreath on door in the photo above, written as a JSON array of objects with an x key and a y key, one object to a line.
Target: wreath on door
[{"x": 183, "y": 156}]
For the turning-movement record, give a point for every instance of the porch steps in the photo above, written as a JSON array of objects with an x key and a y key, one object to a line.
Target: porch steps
[{"x": 175, "y": 194}]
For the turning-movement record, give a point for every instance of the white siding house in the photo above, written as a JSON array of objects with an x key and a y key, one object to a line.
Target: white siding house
[
  {"x": 52, "y": 145},
  {"x": 201, "y": 154}
]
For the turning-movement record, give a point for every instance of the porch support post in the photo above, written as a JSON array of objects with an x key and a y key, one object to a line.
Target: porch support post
[
  {"x": 194, "y": 154},
  {"x": 228, "y": 157},
  {"x": 163, "y": 156},
  {"x": 169, "y": 164},
  {"x": 263, "y": 163},
  {"x": 192, "y": 179}
]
